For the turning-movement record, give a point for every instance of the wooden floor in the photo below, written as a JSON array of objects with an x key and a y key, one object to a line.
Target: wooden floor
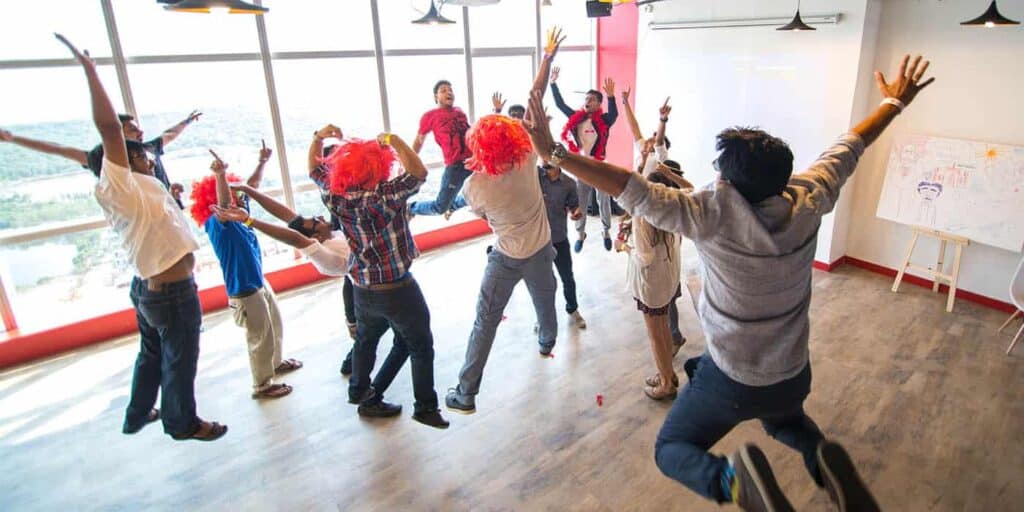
[{"x": 926, "y": 402}]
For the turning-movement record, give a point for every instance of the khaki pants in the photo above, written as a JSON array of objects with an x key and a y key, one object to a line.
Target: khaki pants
[{"x": 259, "y": 315}]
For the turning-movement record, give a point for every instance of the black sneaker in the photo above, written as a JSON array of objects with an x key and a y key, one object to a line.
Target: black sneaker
[
  {"x": 843, "y": 483},
  {"x": 380, "y": 409},
  {"x": 455, "y": 405},
  {"x": 431, "y": 419},
  {"x": 758, "y": 490},
  {"x": 607, "y": 243},
  {"x": 367, "y": 395},
  {"x": 546, "y": 348},
  {"x": 346, "y": 365}
]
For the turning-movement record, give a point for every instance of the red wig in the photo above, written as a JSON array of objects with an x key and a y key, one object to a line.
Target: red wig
[
  {"x": 498, "y": 143},
  {"x": 359, "y": 164},
  {"x": 204, "y": 194}
]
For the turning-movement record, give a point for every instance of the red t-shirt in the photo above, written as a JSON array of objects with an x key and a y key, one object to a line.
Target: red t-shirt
[{"x": 449, "y": 126}]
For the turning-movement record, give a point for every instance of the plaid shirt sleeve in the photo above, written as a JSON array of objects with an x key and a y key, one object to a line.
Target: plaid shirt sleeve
[
  {"x": 400, "y": 188},
  {"x": 321, "y": 177}
]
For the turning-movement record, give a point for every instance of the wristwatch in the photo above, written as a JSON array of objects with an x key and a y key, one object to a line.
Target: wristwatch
[{"x": 558, "y": 152}]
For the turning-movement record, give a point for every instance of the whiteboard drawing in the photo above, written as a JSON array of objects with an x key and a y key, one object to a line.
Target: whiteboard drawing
[{"x": 967, "y": 188}]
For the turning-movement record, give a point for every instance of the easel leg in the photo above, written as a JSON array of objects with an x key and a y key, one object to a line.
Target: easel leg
[
  {"x": 1015, "y": 340},
  {"x": 906, "y": 261},
  {"x": 956, "y": 273},
  {"x": 938, "y": 267},
  {"x": 1008, "y": 320}
]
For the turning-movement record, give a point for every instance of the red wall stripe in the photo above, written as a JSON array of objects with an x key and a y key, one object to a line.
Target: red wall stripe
[{"x": 616, "y": 58}]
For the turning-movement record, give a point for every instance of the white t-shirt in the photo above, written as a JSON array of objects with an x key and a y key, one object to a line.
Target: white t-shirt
[
  {"x": 331, "y": 257},
  {"x": 513, "y": 205},
  {"x": 145, "y": 217},
  {"x": 660, "y": 155},
  {"x": 588, "y": 136}
]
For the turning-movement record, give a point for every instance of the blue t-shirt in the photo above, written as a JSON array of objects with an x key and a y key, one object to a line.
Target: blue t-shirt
[{"x": 239, "y": 254}]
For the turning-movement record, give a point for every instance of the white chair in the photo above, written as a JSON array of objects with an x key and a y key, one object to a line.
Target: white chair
[{"x": 1017, "y": 296}]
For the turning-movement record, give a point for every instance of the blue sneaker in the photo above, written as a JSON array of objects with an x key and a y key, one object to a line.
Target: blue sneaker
[
  {"x": 579, "y": 245},
  {"x": 607, "y": 243},
  {"x": 458, "y": 403}
]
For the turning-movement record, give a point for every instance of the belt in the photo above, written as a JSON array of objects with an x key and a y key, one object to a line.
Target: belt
[
  {"x": 385, "y": 286},
  {"x": 243, "y": 294}
]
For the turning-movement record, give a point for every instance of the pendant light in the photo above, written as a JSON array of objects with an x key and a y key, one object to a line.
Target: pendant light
[
  {"x": 433, "y": 17},
  {"x": 990, "y": 19},
  {"x": 797, "y": 25},
  {"x": 223, "y": 6}
]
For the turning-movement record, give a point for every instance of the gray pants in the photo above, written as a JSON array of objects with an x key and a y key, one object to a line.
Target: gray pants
[
  {"x": 500, "y": 278},
  {"x": 604, "y": 207},
  {"x": 258, "y": 315}
]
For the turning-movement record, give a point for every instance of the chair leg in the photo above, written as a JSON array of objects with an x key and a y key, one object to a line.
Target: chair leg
[
  {"x": 1008, "y": 320},
  {"x": 1015, "y": 339}
]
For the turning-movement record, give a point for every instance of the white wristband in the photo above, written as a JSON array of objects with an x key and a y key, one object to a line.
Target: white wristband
[{"x": 894, "y": 102}]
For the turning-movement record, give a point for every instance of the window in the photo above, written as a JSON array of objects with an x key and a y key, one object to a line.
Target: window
[
  {"x": 506, "y": 24},
  {"x": 320, "y": 25},
  {"x": 410, "y": 83},
  {"x": 398, "y": 32},
  {"x": 511, "y": 76},
  {"x": 572, "y": 17},
  {"x": 26, "y": 29},
  {"x": 147, "y": 29}
]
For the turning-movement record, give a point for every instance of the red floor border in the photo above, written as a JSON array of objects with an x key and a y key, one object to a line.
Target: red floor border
[
  {"x": 917, "y": 281},
  {"x": 24, "y": 347}
]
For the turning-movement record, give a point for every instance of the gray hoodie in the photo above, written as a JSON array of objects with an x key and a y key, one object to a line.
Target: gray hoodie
[{"x": 755, "y": 260}]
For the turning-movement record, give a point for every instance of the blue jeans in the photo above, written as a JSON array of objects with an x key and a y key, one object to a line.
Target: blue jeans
[
  {"x": 501, "y": 276},
  {"x": 563, "y": 263},
  {"x": 451, "y": 183},
  {"x": 169, "y": 321},
  {"x": 711, "y": 405},
  {"x": 404, "y": 310}
]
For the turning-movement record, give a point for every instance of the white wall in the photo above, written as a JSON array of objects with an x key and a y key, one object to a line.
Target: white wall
[
  {"x": 798, "y": 86},
  {"x": 977, "y": 96}
]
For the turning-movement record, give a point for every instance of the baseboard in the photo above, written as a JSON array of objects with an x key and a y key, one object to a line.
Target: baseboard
[{"x": 829, "y": 267}]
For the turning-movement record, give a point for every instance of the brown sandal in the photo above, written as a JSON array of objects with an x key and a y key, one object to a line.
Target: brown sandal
[
  {"x": 653, "y": 393},
  {"x": 205, "y": 431},
  {"x": 272, "y": 391},
  {"x": 288, "y": 365}
]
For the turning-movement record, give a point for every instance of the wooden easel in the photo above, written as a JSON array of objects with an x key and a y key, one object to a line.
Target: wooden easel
[{"x": 936, "y": 274}]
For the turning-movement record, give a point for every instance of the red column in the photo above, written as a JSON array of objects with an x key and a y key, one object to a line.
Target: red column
[{"x": 616, "y": 57}]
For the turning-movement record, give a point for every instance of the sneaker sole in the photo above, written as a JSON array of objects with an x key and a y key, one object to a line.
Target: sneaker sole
[
  {"x": 464, "y": 412},
  {"x": 842, "y": 481},
  {"x": 761, "y": 473}
]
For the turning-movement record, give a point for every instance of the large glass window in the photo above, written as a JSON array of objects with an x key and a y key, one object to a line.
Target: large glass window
[
  {"x": 506, "y": 24},
  {"x": 147, "y": 29},
  {"x": 397, "y": 31},
  {"x": 320, "y": 25},
  {"x": 511, "y": 76},
  {"x": 572, "y": 17},
  {"x": 26, "y": 29},
  {"x": 411, "y": 82}
]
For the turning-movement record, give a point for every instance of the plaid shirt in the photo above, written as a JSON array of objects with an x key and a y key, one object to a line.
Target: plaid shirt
[{"x": 376, "y": 226}]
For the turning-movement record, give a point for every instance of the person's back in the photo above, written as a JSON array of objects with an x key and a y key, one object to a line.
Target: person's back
[
  {"x": 756, "y": 259},
  {"x": 514, "y": 208}
]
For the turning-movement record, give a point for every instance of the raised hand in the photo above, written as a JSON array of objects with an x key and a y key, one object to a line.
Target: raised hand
[
  {"x": 537, "y": 126},
  {"x": 665, "y": 109},
  {"x": 555, "y": 39},
  {"x": 497, "y": 101},
  {"x": 218, "y": 166},
  {"x": 193, "y": 117},
  {"x": 554, "y": 74},
  {"x": 82, "y": 57},
  {"x": 6, "y": 136},
  {"x": 232, "y": 213},
  {"x": 625, "y": 95},
  {"x": 176, "y": 190},
  {"x": 329, "y": 131},
  {"x": 908, "y": 81},
  {"x": 265, "y": 152},
  {"x": 609, "y": 86},
  {"x": 238, "y": 186}
]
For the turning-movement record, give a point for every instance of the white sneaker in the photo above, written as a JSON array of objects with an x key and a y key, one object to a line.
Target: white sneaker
[{"x": 576, "y": 317}]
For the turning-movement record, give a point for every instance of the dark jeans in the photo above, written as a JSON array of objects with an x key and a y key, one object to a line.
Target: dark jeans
[
  {"x": 396, "y": 358},
  {"x": 563, "y": 263},
  {"x": 404, "y": 310},
  {"x": 350, "y": 303},
  {"x": 673, "y": 321},
  {"x": 169, "y": 322},
  {"x": 451, "y": 183},
  {"x": 711, "y": 405}
]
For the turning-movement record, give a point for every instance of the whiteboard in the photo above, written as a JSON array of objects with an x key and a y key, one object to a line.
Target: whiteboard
[{"x": 967, "y": 188}]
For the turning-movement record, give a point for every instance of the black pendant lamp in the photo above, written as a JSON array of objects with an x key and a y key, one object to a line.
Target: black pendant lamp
[
  {"x": 433, "y": 17},
  {"x": 208, "y": 6},
  {"x": 990, "y": 19},
  {"x": 797, "y": 25}
]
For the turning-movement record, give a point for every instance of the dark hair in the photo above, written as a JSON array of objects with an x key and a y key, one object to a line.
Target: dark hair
[
  {"x": 756, "y": 163},
  {"x": 94, "y": 158},
  {"x": 299, "y": 224},
  {"x": 124, "y": 118},
  {"x": 328, "y": 149},
  {"x": 600, "y": 97},
  {"x": 516, "y": 108},
  {"x": 438, "y": 85}
]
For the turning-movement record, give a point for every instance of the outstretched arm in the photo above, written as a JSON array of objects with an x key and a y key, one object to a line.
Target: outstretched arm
[
  {"x": 316, "y": 148},
  {"x": 268, "y": 203},
  {"x": 279, "y": 233},
  {"x": 663, "y": 112},
  {"x": 257, "y": 174},
  {"x": 172, "y": 133},
  {"x": 219, "y": 169},
  {"x": 613, "y": 110},
  {"x": 554, "y": 42},
  {"x": 407, "y": 156},
  {"x": 103, "y": 114},
  {"x": 896, "y": 96},
  {"x": 634, "y": 126},
  {"x": 498, "y": 102},
  {"x": 50, "y": 148}
]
